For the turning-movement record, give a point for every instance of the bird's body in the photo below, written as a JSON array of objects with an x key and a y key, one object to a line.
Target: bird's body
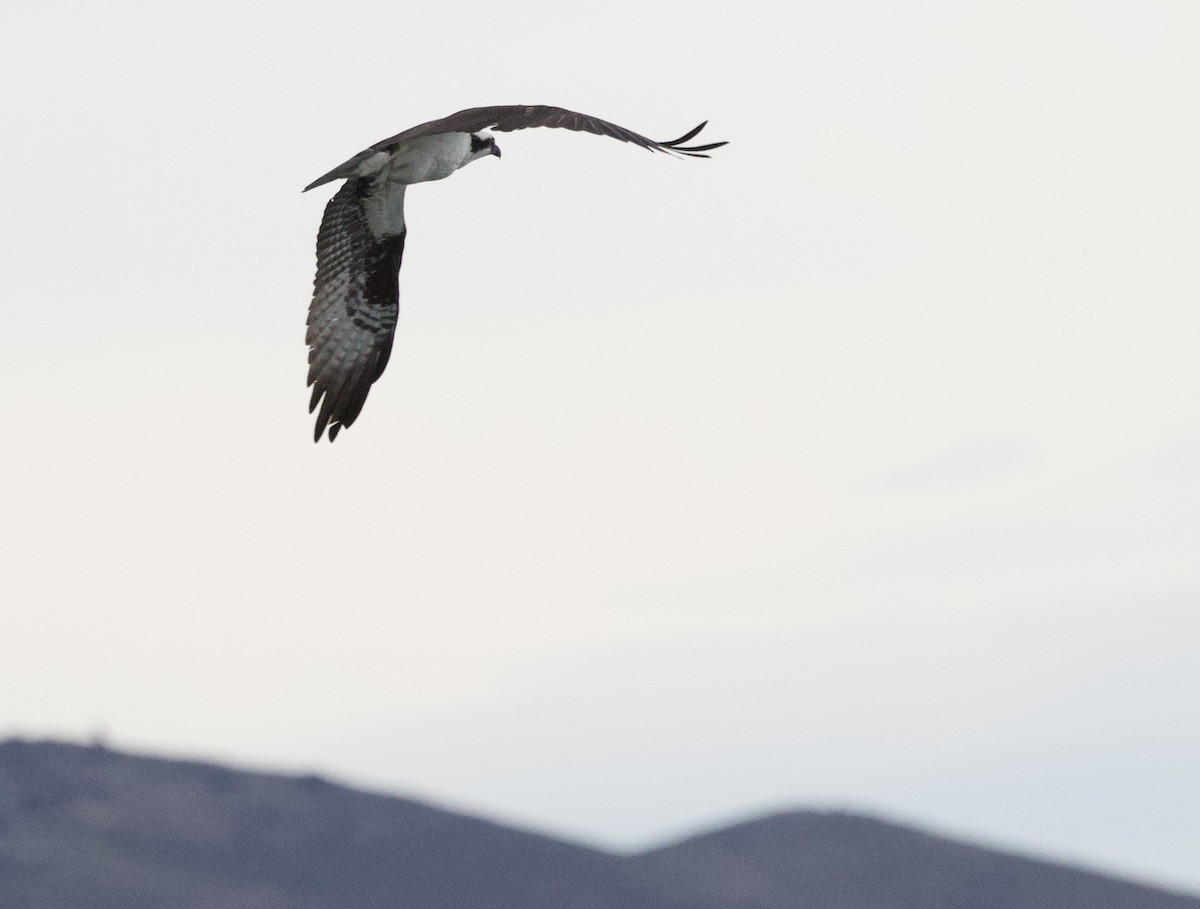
[{"x": 355, "y": 304}]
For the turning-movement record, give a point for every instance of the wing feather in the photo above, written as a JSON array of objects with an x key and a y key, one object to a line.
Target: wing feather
[
  {"x": 511, "y": 117},
  {"x": 355, "y": 304},
  {"x": 507, "y": 118}
]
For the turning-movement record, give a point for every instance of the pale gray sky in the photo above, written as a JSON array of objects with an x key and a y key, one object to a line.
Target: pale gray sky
[{"x": 858, "y": 465}]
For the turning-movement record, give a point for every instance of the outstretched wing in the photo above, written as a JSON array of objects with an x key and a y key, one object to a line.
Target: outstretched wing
[
  {"x": 510, "y": 117},
  {"x": 356, "y": 300},
  {"x": 506, "y": 118}
]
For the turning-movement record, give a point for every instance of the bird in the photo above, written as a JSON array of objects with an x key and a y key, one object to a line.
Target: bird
[{"x": 360, "y": 244}]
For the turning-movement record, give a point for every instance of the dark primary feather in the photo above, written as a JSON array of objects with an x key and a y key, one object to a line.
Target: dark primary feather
[{"x": 352, "y": 319}]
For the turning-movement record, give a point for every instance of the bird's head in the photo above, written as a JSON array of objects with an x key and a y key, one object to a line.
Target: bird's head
[{"x": 483, "y": 144}]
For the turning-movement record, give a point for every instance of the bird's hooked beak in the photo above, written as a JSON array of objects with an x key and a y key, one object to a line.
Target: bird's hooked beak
[{"x": 495, "y": 149}]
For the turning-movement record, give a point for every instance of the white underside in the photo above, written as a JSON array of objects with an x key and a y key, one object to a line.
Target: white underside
[
  {"x": 418, "y": 161},
  {"x": 385, "y": 210},
  {"x": 421, "y": 160}
]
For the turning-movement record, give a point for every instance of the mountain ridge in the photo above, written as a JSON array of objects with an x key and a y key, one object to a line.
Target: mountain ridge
[{"x": 113, "y": 829}]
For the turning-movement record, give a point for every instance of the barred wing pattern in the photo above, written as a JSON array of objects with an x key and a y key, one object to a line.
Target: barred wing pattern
[{"x": 355, "y": 304}]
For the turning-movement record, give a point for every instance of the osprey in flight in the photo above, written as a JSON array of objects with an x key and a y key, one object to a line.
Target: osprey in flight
[{"x": 356, "y": 298}]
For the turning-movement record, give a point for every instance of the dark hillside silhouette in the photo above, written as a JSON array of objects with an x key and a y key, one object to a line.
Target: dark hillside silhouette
[{"x": 96, "y": 828}]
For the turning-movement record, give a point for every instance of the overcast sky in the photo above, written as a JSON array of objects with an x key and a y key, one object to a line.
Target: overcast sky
[{"x": 857, "y": 466}]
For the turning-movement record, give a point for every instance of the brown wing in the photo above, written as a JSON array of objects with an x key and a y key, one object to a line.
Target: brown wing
[{"x": 355, "y": 304}]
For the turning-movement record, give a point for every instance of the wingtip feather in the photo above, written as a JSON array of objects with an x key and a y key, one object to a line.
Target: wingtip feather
[{"x": 692, "y": 151}]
